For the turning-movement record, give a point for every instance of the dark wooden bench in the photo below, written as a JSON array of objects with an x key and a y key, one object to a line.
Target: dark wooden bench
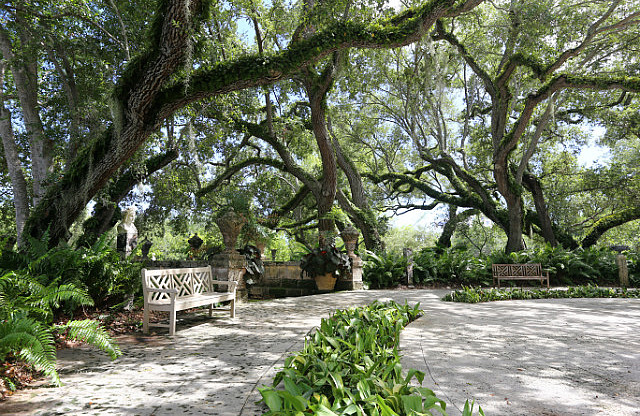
[{"x": 529, "y": 271}]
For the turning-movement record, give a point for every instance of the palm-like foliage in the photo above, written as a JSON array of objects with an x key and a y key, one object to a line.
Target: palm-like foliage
[{"x": 385, "y": 270}]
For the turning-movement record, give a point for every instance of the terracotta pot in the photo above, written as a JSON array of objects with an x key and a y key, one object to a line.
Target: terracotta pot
[{"x": 326, "y": 281}]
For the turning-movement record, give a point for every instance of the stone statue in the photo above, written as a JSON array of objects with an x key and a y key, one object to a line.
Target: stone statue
[{"x": 127, "y": 232}]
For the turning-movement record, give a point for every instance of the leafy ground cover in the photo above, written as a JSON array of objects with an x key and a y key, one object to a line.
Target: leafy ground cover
[
  {"x": 351, "y": 366},
  {"x": 475, "y": 295}
]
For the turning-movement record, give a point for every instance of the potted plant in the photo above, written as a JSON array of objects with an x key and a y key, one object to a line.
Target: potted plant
[
  {"x": 322, "y": 265},
  {"x": 252, "y": 254}
]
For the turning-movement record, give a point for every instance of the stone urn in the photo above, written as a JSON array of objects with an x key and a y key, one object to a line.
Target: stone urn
[
  {"x": 350, "y": 237},
  {"x": 195, "y": 242},
  {"x": 230, "y": 225}
]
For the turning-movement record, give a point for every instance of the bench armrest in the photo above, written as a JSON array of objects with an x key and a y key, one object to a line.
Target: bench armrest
[{"x": 231, "y": 284}]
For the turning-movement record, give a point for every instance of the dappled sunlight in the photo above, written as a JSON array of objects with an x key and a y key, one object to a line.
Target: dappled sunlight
[
  {"x": 543, "y": 357},
  {"x": 550, "y": 357}
]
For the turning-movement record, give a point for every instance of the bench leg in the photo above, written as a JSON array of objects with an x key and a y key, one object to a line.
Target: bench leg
[
  {"x": 172, "y": 323},
  {"x": 211, "y": 310},
  {"x": 232, "y": 309},
  {"x": 145, "y": 320}
]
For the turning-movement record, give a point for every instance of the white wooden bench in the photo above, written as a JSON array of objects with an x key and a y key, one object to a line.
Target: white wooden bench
[
  {"x": 529, "y": 271},
  {"x": 172, "y": 290}
]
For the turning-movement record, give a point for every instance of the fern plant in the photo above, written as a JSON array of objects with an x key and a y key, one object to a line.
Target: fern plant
[{"x": 28, "y": 298}]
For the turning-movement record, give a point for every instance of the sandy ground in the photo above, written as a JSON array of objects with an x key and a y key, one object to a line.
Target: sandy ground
[{"x": 548, "y": 357}]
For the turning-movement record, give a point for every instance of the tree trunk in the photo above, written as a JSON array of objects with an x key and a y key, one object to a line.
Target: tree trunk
[
  {"x": 94, "y": 165},
  {"x": 18, "y": 182},
  {"x": 455, "y": 218},
  {"x": 25, "y": 75},
  {"x": 363, "y": 218},
  {"x": 326, "y": 225},
  {"x": 533, "y": 184},
  {"x": 514, "y": 206}
]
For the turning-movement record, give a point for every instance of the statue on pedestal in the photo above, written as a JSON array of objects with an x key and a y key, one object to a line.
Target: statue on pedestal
[{"x": 127, "y": 232}]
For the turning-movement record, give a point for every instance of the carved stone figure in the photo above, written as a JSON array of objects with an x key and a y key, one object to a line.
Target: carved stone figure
[{"x": 127, "y": 232}]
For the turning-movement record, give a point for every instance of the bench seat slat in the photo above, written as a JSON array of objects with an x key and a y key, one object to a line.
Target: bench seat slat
[{"x": 191, "y": 301}]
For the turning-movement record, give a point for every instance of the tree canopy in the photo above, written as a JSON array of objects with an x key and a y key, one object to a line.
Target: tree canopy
[{"x": 321, "y": 113}]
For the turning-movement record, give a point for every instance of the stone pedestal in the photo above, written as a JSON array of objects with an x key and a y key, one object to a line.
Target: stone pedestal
[
  {"x": 623, "y": 270},
  {"x": 352, "y": 280},
  {"x": 231, "y": 265}
]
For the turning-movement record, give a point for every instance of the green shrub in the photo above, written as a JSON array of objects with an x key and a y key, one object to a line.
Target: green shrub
[
  {"x": 451, "y": 266},
  {"x": 97, "y": 269},
  {"x": 475, "y": 295},
  {"x": 456, "y": 266},
  {"x": 30, "y": 292},
  {"x": 351, "y": 366},
  {"x": 386, "y": 270}
]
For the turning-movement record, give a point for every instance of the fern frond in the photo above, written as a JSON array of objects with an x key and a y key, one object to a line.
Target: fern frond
[
  {"x": 53, "y": 295},
  {"x": 32, "y": 342},
  {"x": 91, "y": 332},
  {"x": 38, "y": 247}
]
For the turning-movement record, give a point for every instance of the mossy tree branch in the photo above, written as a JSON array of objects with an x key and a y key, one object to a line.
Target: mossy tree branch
[{"x": 605, "y": 224}]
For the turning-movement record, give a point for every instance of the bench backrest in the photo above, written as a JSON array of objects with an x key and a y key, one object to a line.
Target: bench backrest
[
  {"x": 529, "y": 269},
  {"x": 188, "y": 281}
]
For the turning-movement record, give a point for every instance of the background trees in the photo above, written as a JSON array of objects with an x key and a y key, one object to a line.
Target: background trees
[{"x": 473, "y": 106}]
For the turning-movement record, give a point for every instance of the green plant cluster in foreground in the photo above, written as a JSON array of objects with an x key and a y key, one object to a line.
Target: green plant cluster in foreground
[
  {"x": 475, "y": 295},
  {"x": 351, "y": 366}
]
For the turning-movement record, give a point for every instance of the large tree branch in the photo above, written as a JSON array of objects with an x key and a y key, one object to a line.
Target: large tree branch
[
  {"x": 234, "y": 169},
  {"x": 609, "y": 222},
  {"x": 255, "y": 70},
  {"x": 511, "y": 139},
  {"x": 441, "y": 34}
]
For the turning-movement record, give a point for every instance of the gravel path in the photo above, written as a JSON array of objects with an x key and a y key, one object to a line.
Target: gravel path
[{"x": 549, "y": 357}]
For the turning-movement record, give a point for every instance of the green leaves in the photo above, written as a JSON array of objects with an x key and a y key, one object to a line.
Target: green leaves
[
  {"x": 386, "y": 270},
  {"x": 38, "y": 283},
  {"x": 476, "y": 295},
  {"x": 351, "y": 366}
]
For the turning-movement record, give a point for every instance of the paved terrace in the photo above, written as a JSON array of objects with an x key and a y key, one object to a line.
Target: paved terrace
[{"x": 545, "y": 357}]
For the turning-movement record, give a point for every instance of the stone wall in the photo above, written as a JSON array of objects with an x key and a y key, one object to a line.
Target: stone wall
[{"x": 280, "y": 279}]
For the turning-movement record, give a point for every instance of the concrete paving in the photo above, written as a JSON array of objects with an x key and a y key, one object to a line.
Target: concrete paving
[{"x": 547, "y": 357}]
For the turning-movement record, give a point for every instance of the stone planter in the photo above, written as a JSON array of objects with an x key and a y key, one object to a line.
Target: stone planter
[
  {"x": 353, "y": 279},
  {"x": 230, "y": 225},
  {"x": 326, "y": 281}
]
